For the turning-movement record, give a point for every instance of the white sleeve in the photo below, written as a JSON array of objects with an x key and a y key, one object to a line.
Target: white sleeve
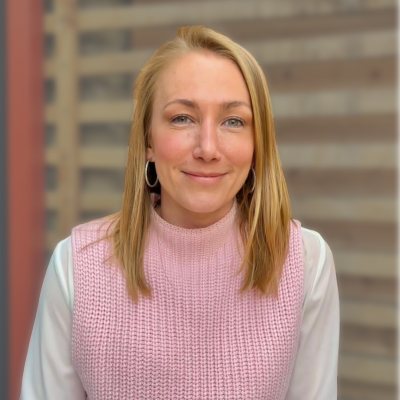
[
  {"x": 314, "y": 375},
  {"x": 48, "y": 372}
]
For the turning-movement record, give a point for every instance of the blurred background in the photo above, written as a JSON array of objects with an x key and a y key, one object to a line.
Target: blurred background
[{"x": 67, "y": 73}]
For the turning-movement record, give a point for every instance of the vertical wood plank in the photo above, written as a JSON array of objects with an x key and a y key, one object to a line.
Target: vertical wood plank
[{"x": 67, "y": 115}]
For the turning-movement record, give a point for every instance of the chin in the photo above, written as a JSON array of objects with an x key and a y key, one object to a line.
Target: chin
[{"x": 204, "y": 203}]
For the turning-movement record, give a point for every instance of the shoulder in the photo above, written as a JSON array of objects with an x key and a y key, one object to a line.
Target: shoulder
[
  {"x": 62, "y": 256},
  {"x": 313, "y": 243},
  {"x": 90, "y": 233},
  {"x": 97, "y": 225},
  {"x": 60, "y": 268},
  {"x": 318, "y": 261}
]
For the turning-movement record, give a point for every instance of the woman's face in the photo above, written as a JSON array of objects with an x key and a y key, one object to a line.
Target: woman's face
[{"x": 202, "y": 135}]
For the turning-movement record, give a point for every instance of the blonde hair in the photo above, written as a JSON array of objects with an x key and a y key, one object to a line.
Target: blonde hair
[{"x": 263, "y": 215}]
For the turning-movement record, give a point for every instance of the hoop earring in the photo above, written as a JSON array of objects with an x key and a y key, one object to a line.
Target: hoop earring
[
  {"x": 147, "y": 179},
  {"x": 254, "y": 180}
]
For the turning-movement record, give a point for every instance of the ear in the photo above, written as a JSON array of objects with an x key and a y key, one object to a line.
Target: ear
[
  {"x": 149, "y": 149},
  {"x": 150, "y": 154}
]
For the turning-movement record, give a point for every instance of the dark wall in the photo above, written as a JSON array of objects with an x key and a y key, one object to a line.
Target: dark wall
[{"x": 3, "y": 208}]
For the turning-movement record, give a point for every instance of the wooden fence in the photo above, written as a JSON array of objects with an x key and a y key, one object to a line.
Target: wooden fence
[{"x": 331, "y": 69}]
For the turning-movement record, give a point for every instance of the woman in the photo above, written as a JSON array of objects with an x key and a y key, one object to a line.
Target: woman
[{"x": 204, "y": 287}]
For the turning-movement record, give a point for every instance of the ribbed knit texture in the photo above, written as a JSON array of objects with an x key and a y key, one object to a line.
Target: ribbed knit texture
[{"x": 198, "y": 338}]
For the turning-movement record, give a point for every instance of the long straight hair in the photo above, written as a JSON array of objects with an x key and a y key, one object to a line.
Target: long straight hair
[{"x": 264, "y": 215}]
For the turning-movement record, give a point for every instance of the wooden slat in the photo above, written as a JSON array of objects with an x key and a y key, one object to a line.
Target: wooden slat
[
  {"x": 334, "y": 103},
  {"x": 52, "y": 200},
  {"x": 368, "y": 341},
  {"x": 106, "y": 202},
  {"x": 104, "y": 158},
  {"x": 367, "y": 289},
  {"x": 338, "y": 47},
  {"x": 362, "y": 156},
  {"x": 369, "y": 370},
  {"x": 114, "y": 158},
  {"x": 356, "y": 236},
  {"x": 195, "y": 12},
  {"x": 368, "y": 314},
  {"x": 305, "y": 105},
  {"x": 52, "y": 239},
  {"x": 370, "y": 4},
  {"x": 336, "y": 74},
  {"x": 353, "y": 390},
  {"x": 329, "y": 47},
  {"x": 66, "y": 115},
  {"x": 350, "y": 209},
  {"x": 293, "y": 77},
  {"x": 379, "y": 4},
  {"x": 51, "y": 157},
  {"x": 286, "y": 77},
  {"x": 131, "y": 61},
  {"x": 332, "y": 156},
  {"x": 98, "y": 112},
  {"x": 341, "y": 182},
  {"x": 109, "y": 201},
  {"x": 297, "y": 26},
  {"x": 114, "y": 111},
  {"x": 348, "y": 128},
  {"x": 103, "y": 202},
  {"x": 368, "y": 264}
]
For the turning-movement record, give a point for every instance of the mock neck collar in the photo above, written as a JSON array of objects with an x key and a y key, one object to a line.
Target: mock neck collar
[{"x": 196, "y": 240}]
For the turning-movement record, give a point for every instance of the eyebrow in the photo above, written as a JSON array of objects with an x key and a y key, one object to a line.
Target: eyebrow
[{"x": 193, "y": 104}]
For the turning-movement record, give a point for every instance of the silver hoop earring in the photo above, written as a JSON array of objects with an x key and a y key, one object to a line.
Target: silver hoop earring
[
  {"x": 254, "y": 180},
  {"x": 145, "y": 175}
]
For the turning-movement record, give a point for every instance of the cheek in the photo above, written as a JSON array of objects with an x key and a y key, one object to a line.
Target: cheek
[
  {"x": 171, "y": 149},
  {"x": 240, "y": 152}
]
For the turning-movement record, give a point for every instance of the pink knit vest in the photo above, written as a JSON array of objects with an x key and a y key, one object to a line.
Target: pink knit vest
[{"x": 197, "y": 338}]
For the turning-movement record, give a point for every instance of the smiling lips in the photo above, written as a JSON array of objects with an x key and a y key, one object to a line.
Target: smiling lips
[{"x": 200, "y": 177}]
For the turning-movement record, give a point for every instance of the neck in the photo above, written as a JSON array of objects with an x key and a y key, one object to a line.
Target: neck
[
  {"x": 193, "y": 242},
  {"x": 179, "y": 216}
]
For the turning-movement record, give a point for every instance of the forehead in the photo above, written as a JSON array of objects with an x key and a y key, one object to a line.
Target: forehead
[{"x": 201, "y": 76}]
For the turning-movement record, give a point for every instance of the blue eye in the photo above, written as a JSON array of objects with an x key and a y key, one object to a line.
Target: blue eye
[
  {"x": 181, "y": 119},
  {"x": 234, "y": 122}
]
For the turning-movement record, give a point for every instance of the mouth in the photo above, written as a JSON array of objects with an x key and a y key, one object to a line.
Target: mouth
[{"x": 204, "y": 178}]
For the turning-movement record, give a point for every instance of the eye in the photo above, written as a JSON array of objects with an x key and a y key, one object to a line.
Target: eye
[
  {"x": 234, "y": 122},
  {"x": 181, "y": 119}
]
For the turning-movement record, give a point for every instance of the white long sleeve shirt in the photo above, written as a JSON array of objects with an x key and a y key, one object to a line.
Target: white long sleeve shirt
[{"x": 49, "y": 373}]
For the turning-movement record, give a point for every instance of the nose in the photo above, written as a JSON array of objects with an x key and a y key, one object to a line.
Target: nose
[{"x": 207, "y": 145}]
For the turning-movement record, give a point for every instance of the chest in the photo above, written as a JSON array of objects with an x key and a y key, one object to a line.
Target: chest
[{"x": 196, "y": 341}]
